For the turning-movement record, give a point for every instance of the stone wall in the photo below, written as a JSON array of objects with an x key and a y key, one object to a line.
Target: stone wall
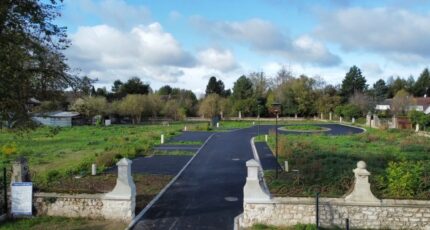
[
  {"x": 389, "y": 214},
  {"x": 360, "y": 207},
  {"x": 119, "y": 204},
  {"x": 96, "y": 206}
]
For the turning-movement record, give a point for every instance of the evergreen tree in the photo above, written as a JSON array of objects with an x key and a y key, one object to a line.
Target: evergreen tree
[
  {"x": 242, "y": 88},
  {"x": 380, "y": 90},
  {"x": 422, "y": 86},
  {"x": 215, "y": 86},
  {"x": 354, "y": 82}
]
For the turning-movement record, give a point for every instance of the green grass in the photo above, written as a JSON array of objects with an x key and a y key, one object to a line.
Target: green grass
[
  {"x": 63, "y": 223},
  {"x": 53, "y": 153},
  {"x": 169, "y": 153},
  {"x": 306, "y": 127},
  {"x": 398, "y": 160},
  {"x": 184, "y": 143}
]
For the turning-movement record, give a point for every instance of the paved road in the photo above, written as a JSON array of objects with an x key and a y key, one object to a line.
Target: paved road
[{"x": 209, "y": 192}]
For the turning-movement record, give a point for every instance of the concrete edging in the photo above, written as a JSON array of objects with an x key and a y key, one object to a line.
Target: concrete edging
[{"x": 157, "y": 197}]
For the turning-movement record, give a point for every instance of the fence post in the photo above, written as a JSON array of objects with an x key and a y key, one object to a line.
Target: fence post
[
  {"x": 317, "y": 209},
  {"x": 4, "y": 190}
]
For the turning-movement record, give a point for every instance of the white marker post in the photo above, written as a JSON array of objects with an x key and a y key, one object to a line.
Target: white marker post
[
  {"x": 266, "y": 137},
  {"x": 286, "y": 166},
  {"x": 162, "y": 138},
  {"x": 93, "y": 169}
]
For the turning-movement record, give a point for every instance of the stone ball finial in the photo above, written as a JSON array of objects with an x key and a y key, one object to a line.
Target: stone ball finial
[{"x": 361, "y": 165}]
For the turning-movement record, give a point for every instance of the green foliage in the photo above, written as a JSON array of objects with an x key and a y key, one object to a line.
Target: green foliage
[
  {"x": 243, "y": 88},
  {"x": 353, "y": 82},
  {"x": 422, "y": 85},
  {"x": 348, "y": 111},
  {"x": 404, "y": 178}
]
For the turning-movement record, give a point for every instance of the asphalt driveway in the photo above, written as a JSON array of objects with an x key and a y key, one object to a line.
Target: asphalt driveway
[{"x": 209, "y": 192}]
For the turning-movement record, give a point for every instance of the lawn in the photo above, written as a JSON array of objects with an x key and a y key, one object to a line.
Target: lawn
[
  {"x": 59, "y": 152},
  {"x": 63, "y": 223},
  {"x": 399, "y": 162}
]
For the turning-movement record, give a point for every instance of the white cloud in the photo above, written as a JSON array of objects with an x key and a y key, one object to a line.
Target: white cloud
[
  {"x": 264, "y": 37},
  {"x": 372, "y": 69},
  {"x": 396, "y": 33},
  {"x": 218, "y": 59},
  {"x": 117, "y": 13},
  {"x": 146, "y": 51}
]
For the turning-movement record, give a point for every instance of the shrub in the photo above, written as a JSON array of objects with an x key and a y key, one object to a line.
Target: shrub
[
  {"x": 403, "y": 178},
  {"x": 107, "y": 159}
]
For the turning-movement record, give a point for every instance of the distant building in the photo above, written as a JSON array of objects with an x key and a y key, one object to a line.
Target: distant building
[
  {"x": 422, "y": 104},
  {"x": 60, "y": 119}
]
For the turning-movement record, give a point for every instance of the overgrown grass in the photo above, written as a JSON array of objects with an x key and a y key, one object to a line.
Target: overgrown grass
[
  {"x": 63, "y": 223},
  {"x": 54, "y": 153},
  {"x": 399, "y": 162}
]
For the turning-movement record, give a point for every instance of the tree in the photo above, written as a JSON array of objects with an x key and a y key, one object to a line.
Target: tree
[
  {"x": 353, "y": 82},
  {"x": 90, "y": 106},
  {"x": 135, "y": 86},
  {"x": 243, "y": 88},
  {"x": 31, "y": 62},
  {"x": 363, "y": 102},
  {"x": 402, "y": 102},
  {"x": 348, "y": 111},
  {"x": 380, "y": 90},
  {"x": 422, "y": 86},
  {"x": 210, "y": 106},
  {"x": 117, "y": 86},
  {"x": 165, "y": 90},
  {"x": 260, "y": 84},
  {"x": 215, "y": 86},
  {"x": 132, "y": 105},
  {"x": 396, "y": 85}
]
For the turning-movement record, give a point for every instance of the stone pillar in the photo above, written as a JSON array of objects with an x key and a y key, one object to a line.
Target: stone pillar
[
  {"x": 368, "y": 119},
  {"x": 394, "y": 121},
  {"x": 221, "y": 115},
  {"x": 286, "y": 166},
  {"x": 162, "y": 139},
  {"x": 362, "y": 192},
  {"x": 322, "y": 116},
  {"x": 340, "y": 119},
  {"x": 20, "y": 171},
  {"x": 315, "y": 117},
  {"x": 240, "y": 114},
  {"x": 353, "y": 120},
  {"x": 277, "y": 116},
  {"x": 295, "y": 116},
  {"x": 93, "y": 169},
  {"x": 185, "y": 128},
  {"x": 125, "y": 189},
  {"x": 253, "y": 191},
  {"x": 330, "y": 115},
  {"x": 107, "y": 122},
  {"x": 417, "y": 127},
  {"x": 217, "y": 124},
  {"x": 376, "y": 122}
]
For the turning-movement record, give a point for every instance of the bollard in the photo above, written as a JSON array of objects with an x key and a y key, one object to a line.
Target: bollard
[
  {"x": 185, "y": 128},
  {"x": 217, "y": 124},
  {"x": 286, "y": 166},
  {"x": 253, "y": 123},
  {"x": 93, "y": 169},
  {"x": 266, "y": 137},
  {"x": 353, "y": 120},
  {"x": 162, "y": 138},
  {"x": 417, "y": 127}
]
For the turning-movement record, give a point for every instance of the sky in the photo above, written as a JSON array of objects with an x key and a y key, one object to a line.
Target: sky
[{"x": 183, "y": 43}]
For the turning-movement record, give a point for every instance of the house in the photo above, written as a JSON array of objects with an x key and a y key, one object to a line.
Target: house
[
  {"x": 60, "y": 119},
  {"x": 421, "y": 104}
]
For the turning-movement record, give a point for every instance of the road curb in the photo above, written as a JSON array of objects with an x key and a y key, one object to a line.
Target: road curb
[{"x": 157, "y": 197}]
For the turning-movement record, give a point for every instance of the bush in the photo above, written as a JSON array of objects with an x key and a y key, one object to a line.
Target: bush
[
  {"x": 403, "y": 178},
  {"x": 107, "y": 159}
]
